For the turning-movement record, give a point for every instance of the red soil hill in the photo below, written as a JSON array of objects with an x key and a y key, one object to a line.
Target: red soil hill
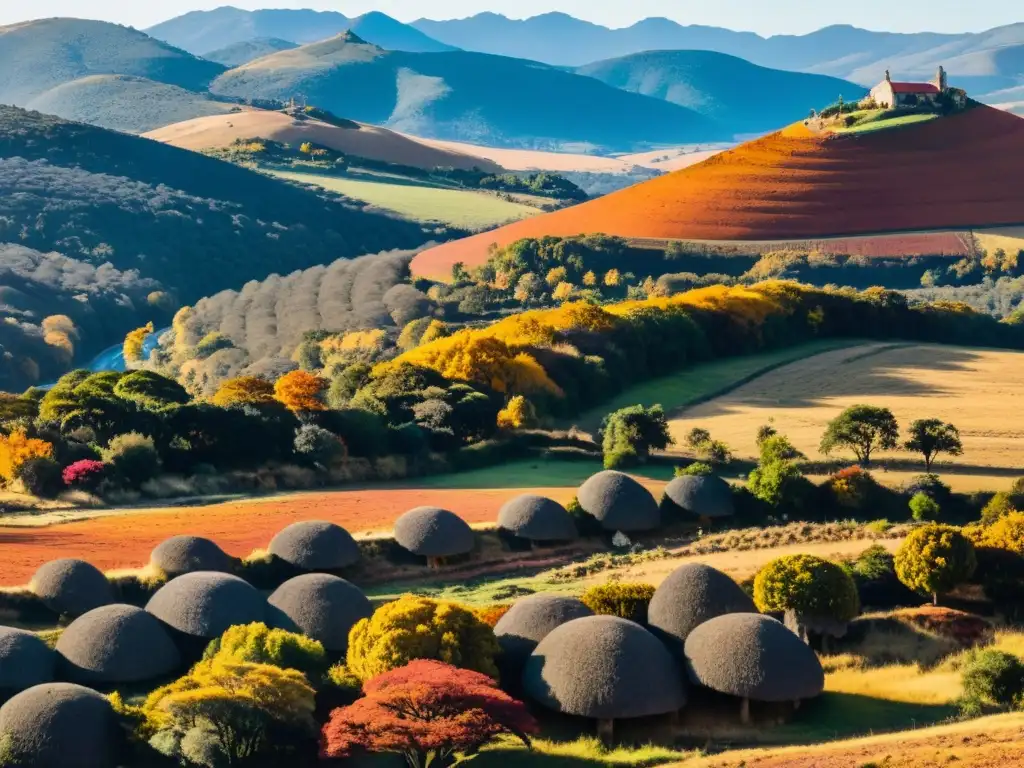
[{"x": 957, "y": 172}]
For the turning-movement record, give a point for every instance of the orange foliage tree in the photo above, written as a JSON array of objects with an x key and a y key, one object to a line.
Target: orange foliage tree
[
  {"x": 244, "y": 390},
  {"x": 17, "y": 448},
  {"x": 430, "y": 713},
  {"x": 301, "y": 391}
]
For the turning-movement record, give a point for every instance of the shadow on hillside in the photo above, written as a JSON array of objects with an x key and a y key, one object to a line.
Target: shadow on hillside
[
  {"x": 887, "y": 377},
  {"x": 848, "y": 715}
]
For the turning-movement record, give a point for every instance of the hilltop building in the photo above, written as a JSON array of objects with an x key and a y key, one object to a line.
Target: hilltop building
[{"x": 889, "y": 94}]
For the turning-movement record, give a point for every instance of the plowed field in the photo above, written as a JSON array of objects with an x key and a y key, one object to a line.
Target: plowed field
[{"x": 960, "y": 172}]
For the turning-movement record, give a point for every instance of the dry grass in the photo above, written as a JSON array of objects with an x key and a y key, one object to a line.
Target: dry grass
[{"x": 973, "y": 388}]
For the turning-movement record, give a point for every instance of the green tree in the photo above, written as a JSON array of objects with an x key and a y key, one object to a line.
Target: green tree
[
  {"x": 627, "y": 601},
  {"x": 923, "y": 508},
  {"x": 774, "y": 483},
  {"x": 133, "y": 457},
  {"x": 697, "y": 437},
  {"x": 863, "y": 429},
  {"x": 993, "y": 678},
  {"x": 629, "y": 434},
  {"x": 778, "y": 448},
  {"x": 150, "y": 391},
  {"x": 418, "y": 628},
  {"x": 930, "y": 437},
  {"x": 935, "y": 559},
  {"x": 809, "y": 586}
]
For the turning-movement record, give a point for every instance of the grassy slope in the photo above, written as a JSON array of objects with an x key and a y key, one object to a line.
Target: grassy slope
[
  {"x": 703, "y": 382},
  {"x": 421, "y": 202},
  {"x": 871, "y": 126}
]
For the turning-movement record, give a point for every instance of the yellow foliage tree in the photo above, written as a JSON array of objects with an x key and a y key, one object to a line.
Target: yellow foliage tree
[
  {"x": 301, "y": 392},
  {"x": 17, "y": 448},
  {"x": 134, "y": 342},
  {"x": 612, "y": 278},
  {"x": 555, "y": 276},
  {"x": 518, "y": 414},
  {"x": 233, "y": 705},
  {"x": 244, "y": 390},
  {"x": 436, "y": 330},
  {"x": 306, "y": 148},
  {"x": 1006, "y": 533},
  {"x": 563, "y": 291},
  {"x": 590, "y": 279}
]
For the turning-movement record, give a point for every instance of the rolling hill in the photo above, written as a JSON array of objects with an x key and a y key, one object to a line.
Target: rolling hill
[
  {"x": 743, "y": 96},
  {"x": 237, "y": 54},
  {"x": 38, "y": 56},
  {"x": 125, "y": 103},
  {"x": 360, "y": 140},
  {"x": 466, "y": 97},
  {"x": 204, "y": 31},
  {"x": 963, "y": 171}
]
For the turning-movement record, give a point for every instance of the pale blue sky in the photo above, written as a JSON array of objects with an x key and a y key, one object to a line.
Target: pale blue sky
[{"x": 763, "y": 16}]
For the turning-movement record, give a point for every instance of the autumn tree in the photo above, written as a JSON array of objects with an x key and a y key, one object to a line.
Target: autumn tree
[
  {"x": 259, "y": 644},
  {"x": 429, "y": 712},
  {"x": 301, "y": 392},
  {"x": 930, "y": 437},
  {"x": 813, "y": 588},
  {"x": 555, "y": 276},
  {"x": 518, "y": 414},
  {"x": 563, "y": 291},
  {"x": 934, "y": 559},
  {"x": 613, "y": 278},
  {"x": 244, "y": 390},
  {"x": 18, "y": 448},
  {"x": 237, "y": 711},
  {"x": 862, "y": 429},
  {"x": 590, "y": 279},
  {"x": 134, "y": 342}
]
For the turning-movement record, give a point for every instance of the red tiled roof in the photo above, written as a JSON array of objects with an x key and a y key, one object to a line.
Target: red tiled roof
[{"x": 914, "y": 88}]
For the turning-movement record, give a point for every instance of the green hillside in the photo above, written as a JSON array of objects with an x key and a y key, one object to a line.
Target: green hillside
[
  {"x": 37, "y": 56},
  {"x": 237, "y": 54},
  {"x": 125, "y": 103},
  {"x": 467, "y": 96},
  {"x": 741, "y": 96},
  {"x": 194, "y": 223}
]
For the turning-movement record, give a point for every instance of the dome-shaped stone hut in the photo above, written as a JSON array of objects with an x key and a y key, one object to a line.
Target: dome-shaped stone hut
[
  {"x": 319, "y": 606},
  {"x": 203, "y": 605},
  {"x": 605, "y": 668},
  {"x": 116, "y": 644},
  {"x": 434, "y": 533},
  {"x": 537, "y": 519},
  {"x": 619, "y": 502},
  {"x": 753, "y": 657},
  {"x": 691, "y": 595},
  {"x": 25, "y": 660},
  {"x": 315, "y": 545},
  {"x": 705, "y": 496},
  {"x": 528, "y": 622},
  {"x": 71, "y": 587},
  {"x": 179, "y": 555},
  {"x": 60, "y": 725}
]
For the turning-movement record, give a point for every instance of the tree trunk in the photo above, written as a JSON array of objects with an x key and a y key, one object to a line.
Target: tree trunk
[
  {"x": 745, "y": 712},
  {"x": 606, "y": 732},
  {"x": 935, "y": 598}
]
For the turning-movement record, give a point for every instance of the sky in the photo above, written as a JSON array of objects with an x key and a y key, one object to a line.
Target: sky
[{"x": 766, "y": 17}]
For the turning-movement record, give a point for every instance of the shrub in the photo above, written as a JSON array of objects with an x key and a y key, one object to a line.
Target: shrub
[
  {"x": 1006, "y": 533},
  {"x": 86, "y": 474},
  {"x": 853, "y": 488},
  {"x": 934, "y": 559},
  {"x": 630, "y": 434},
  {"x": 777, "y": 448},
  {"x": 318, "y": 445},
  {"x": 923, "y": 508},
  {"x": 697, "y": 469},
  {"x": 258, "y": 644},
  {"x": 417, "y": 628},
  {"x": 1001, "y": 504},
  {"x": 874, "y": 563},
  {"x": 627, "y": 601},
  {"x": 492, "y": 614},
  {"x": 809, "y": 586},
  {"x": 994, "y": 678},
  {"x": 133, "y": 458},
  {"x": 428, "y": 712},
  {"x": 41, "y": 477},
  {"x": 518, "y": 414}
]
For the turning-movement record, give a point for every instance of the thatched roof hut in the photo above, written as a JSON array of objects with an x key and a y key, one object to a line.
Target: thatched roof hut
[
  {"x": 315, "y": 545},
  {"x": 532, "y": 619},
  {"x": 179, "y": 555},
  {"x": 434, "y": 533},
  {"x": 619, "y": 502},
  {"x": 71, "y": 587},
  {"x": 605, "y": 668},
  {"x": 319, "y": 606},
  {"x": 60, "y": 725},
  {"x": 25, "y": 660},
  {"x": 753, "y": 657},
  {"x": 205, "y": 604},
  {"x": 536, "y": 518},
  {"x": 691, "y": 595},
  {"x": 701, "y": 495},
  {"x": 116, "y": 644}
]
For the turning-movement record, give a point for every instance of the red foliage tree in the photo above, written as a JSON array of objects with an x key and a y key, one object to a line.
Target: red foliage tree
[
  {"x": 429, "y": 712},
  {"x": 85, "y": 473}
]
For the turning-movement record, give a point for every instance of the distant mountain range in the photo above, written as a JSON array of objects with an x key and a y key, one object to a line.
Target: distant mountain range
[{"x": 201, "y": 32}]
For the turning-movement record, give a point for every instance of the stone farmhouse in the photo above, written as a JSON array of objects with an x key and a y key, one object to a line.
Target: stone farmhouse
[{"x": 890, "y": 95}]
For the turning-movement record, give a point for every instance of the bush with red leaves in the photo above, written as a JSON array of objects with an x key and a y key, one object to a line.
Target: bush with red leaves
[
  {"x": 86, "y": 474},
  {"x": 429, "y": 712}
]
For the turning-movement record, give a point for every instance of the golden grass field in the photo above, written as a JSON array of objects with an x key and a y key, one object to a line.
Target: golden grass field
[{"x": 975, "y": 389}]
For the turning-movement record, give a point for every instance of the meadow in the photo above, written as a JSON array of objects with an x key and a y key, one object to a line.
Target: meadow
[{"x": 422, "y": 202}]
